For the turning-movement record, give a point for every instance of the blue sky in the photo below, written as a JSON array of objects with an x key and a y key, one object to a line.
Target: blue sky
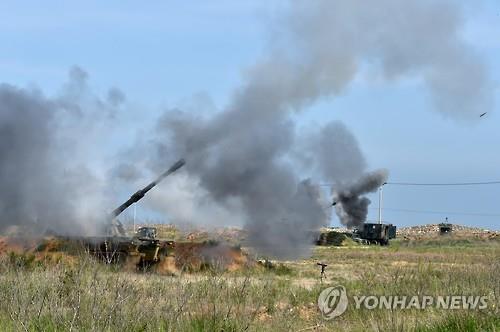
[{"x": 163, "y": 52}]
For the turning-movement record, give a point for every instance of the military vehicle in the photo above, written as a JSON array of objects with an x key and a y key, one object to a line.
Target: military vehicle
[
  {"x": 445, "y": 228},
  {"x": 372, "y": 233},
  {"x": 368, "y": 233},
  {"x": 143, "y": 246}
]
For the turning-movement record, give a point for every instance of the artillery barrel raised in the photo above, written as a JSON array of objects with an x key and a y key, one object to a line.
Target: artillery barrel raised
[{"x": 140, "y": 193}]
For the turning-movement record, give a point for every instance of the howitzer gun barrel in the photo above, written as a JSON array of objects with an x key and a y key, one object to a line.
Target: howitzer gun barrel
[{"x": 140, "y": 193}]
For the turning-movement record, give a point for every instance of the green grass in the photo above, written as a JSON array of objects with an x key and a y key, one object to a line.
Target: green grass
[
  {"x": 465, "y": 324},
  {"x": 89, "y": 296}
]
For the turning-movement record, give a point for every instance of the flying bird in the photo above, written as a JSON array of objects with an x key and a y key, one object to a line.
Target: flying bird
[{"x": 483, "y": 114}]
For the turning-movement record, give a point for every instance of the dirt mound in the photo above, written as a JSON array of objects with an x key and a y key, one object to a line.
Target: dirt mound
[
  {"x": 47, "y": 251},
  {"x": 331, "y": 238},
  {"x": 193, "y": 256},
  {"x": 181, "y": 256},
  {"x": 432, "y": 230},
  {"x": 17, "y": 245}
]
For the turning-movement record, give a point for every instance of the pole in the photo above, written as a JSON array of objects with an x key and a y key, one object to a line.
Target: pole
[
  {"x": 380, "y": 204},
  {"x": 135, "y": 212}
]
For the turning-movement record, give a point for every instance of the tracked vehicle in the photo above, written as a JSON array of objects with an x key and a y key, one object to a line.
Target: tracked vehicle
[{"x": 143, "y": 247}]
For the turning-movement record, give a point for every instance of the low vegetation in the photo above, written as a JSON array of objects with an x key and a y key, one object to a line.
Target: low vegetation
[{"x": 85, "y": 295}]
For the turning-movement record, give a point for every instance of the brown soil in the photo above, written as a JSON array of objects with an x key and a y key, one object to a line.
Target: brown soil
[{"x": 183, "y": 256}]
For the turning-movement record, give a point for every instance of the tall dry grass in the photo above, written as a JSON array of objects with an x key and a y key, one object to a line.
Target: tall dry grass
[{"x": 85, "y": 295}]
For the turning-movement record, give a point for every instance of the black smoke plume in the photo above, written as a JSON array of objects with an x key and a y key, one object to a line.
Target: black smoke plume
[{"x": 351, "y": 206}]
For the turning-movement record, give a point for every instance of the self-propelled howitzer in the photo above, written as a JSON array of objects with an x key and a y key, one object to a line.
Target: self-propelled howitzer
[{"x": 117, "y": 245}]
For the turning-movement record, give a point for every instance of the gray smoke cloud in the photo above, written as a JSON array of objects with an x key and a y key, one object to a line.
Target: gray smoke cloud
[
  {"x": 332, "y": 152},
  {"x": 243, "y": 153},
  {"x": 241, "y": 165},
  {"x": 241, "y": 161},
  {"x": 351, "y": 206},
  {"x": 331, "y": 40},
  {"x": 46, "y": 179}
]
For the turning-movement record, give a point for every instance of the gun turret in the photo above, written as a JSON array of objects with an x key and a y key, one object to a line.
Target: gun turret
[{"x": 140, "y": 193}]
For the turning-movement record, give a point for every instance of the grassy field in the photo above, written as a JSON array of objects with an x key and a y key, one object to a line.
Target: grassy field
[{"x": 83, "y": 295}]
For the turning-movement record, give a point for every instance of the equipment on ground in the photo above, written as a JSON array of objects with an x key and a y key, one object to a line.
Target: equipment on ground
[
  {"x": 374, "y": 233},
  {"x": 117, "y": 246},
  {"x": 323, "y": 267},
  {"x": 445, "y": 228}
]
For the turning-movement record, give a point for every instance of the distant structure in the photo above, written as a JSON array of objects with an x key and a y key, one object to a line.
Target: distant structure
[{"x": 445, "y": 227}]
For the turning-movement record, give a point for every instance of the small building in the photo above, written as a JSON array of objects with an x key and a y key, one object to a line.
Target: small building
[{"x": 445, "y": 228}]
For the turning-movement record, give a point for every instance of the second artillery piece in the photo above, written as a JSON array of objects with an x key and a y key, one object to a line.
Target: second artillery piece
[{"x": 117, "y": 246}]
